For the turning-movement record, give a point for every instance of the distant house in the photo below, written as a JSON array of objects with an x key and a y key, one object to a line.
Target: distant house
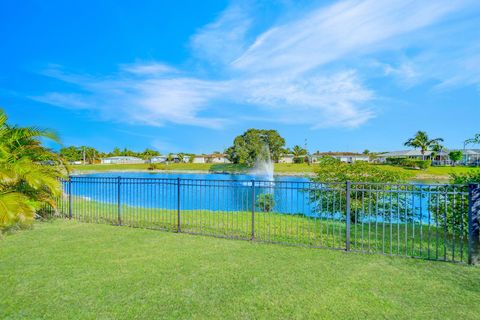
[
  {"x": 349, "y": 157},
  {"x": 440, "y": 157},
  {"x": 216, "y": 158},
  {"x": 158, "y": 159},
  {"x": 199, "y": 159},
  {"x": 286, "y": 158},
  {"x": 174, "y": 158},
  {"x": 471, "y": 157},
  {"x": 122, "y": 160}
]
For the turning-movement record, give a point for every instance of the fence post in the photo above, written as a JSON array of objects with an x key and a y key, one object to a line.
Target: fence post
[
  {"x": 347, "y": 217},
  {"x": 253, "y": 209},
  {"x": 119, "y": 204},
  {"x": 179, "y": 222},
  {"x": 70, "y": 206},
  {"x": 473, "y": 222}
]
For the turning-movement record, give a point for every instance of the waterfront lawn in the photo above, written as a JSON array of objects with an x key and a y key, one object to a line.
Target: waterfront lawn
[
  {"x": 71, "y": 270},
  {"x": 430, "y": 174},
  {"x": 410, "y": 240}
]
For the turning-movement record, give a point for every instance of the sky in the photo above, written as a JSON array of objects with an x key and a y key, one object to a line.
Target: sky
[{"x": 189, "y": 76}]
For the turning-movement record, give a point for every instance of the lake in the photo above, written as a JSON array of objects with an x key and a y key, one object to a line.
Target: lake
[{"x": 230, "y": 192}]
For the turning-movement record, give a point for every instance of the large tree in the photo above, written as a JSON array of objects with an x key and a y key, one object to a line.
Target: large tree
[
  {"x": 455, "y": 156},
  {"x": 247, "y": 147},
  {"x": 29, "y": 173},
  {"x": 422, "y": 141},
  {"x": 331, "y": 176},
  {"x": 71, "y": 153}
]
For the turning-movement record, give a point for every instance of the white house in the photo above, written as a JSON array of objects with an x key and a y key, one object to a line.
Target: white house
[
  {"x": 199, "y": 159},
  {"x": 286, "y": 158},
  {"x": 413, "y": 154},
  {"x": 158, "y": 159},
  {"x": 348, "y": 157},
  {"x": 471, "y": 157},
  {"x": 174, "y": 158},
  {"x": 216, "y": 158},
  {"x": 122, "y": 160}
]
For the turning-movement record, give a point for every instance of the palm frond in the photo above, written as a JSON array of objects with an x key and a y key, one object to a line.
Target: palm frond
[{"x": 15, "y": 208}]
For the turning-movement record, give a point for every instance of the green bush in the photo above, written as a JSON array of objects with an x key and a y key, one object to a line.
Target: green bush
[
  {"x": 465, "y": 178},
  {"x": 300, "y": 160},
  {"x": 156, "y": 166},
  {"x": 410, "y": 163},
  {"x": 265, "y": 202},
  {"x": 423, "y": 164}
]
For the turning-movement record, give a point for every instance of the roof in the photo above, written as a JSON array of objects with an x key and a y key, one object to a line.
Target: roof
[
  {"x": 469, "y": 151},
  {"x": 408, "y": 153},
  {"x": 349, "y": 154},
  {"x": 215, "y": 155},
  {"x": 122, "y": 158}
]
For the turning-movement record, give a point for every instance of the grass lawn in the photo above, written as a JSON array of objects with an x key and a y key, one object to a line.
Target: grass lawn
[
  {"x": 71, "y": 270},
  {"x": 432, "y": 173},
  {"x": 409, "y": 239}
]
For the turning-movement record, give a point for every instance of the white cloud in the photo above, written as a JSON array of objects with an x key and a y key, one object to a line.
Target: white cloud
[
  {"x": 320, "y": 101},
  {"x": 142, "y": 98},
  {"x": 65, "y": 100},
  {"x": 149, "y": 68},
  {"x": 331, "y": 33}
]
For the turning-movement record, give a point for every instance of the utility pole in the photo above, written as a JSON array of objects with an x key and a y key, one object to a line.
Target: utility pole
[
  {"x": 308, "y": 153},
  {"x": 83, "y": 155}
]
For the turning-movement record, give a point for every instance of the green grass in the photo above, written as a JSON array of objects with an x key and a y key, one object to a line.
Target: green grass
[
  {"x": 410, "y": 240},
  {"x": 71, "y": 270}
]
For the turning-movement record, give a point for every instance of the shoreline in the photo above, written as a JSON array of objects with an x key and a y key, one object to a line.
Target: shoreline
[
  {"x": 83, "y": 172},
  {"x": 420, "y": 177}
]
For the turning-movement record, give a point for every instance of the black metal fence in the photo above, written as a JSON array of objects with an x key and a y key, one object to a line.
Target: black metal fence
[{"x": 438, "y": 222}]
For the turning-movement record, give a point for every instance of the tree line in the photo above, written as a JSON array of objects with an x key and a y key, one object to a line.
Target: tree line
[{"x": 92, "y": 155}]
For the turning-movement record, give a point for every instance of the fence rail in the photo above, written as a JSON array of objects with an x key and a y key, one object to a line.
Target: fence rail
[{"x": 438, "y": 222}]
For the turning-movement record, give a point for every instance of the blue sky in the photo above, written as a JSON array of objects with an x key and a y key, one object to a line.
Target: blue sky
[{"x": 191, "y": 75}]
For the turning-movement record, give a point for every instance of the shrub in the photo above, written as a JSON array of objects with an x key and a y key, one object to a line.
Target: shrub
[
  {"x": 465, "y": 178},
  {"x": 410, "y": 163},
  {"x": 265, "y": 202},
  {"x": 156, "y": 166},
  {"x": 300, "y": 160},
  {"x": 423, "y": 164}
]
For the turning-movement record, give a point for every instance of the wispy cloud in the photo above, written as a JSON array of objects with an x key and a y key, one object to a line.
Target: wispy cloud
[
  {"x": 302, "y": 71},
  {"x": 149, "y": 68},
  {"x": 223, "y": 40},
  {"x": 141, "y": 98},
  {"x": 65, "y": 100},
  {"x": 345, "y": 28}
]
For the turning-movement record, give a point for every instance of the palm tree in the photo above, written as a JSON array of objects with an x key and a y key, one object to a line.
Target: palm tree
[
  {"x": 437, "y": 149},
  {"x": 298, "y": 151},
  {"x": 474, "y": 140},
  {"x": 423, "y": 142},
  {"x": 29, "y": 173}
]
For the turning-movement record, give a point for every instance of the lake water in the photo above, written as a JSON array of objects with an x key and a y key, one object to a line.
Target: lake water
[
  {"x": 230, "y": 192},
  {"x": 241, "y": 192}
]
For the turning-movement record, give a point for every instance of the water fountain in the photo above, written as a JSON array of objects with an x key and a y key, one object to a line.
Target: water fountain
[{"x": 263, "y": 167}]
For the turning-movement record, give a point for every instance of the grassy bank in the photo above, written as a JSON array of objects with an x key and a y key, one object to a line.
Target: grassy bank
[
  {"x": 430, "y": 174},
  {"x": 403, "y": 239},
  {"x": 70, "y": 270}
]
